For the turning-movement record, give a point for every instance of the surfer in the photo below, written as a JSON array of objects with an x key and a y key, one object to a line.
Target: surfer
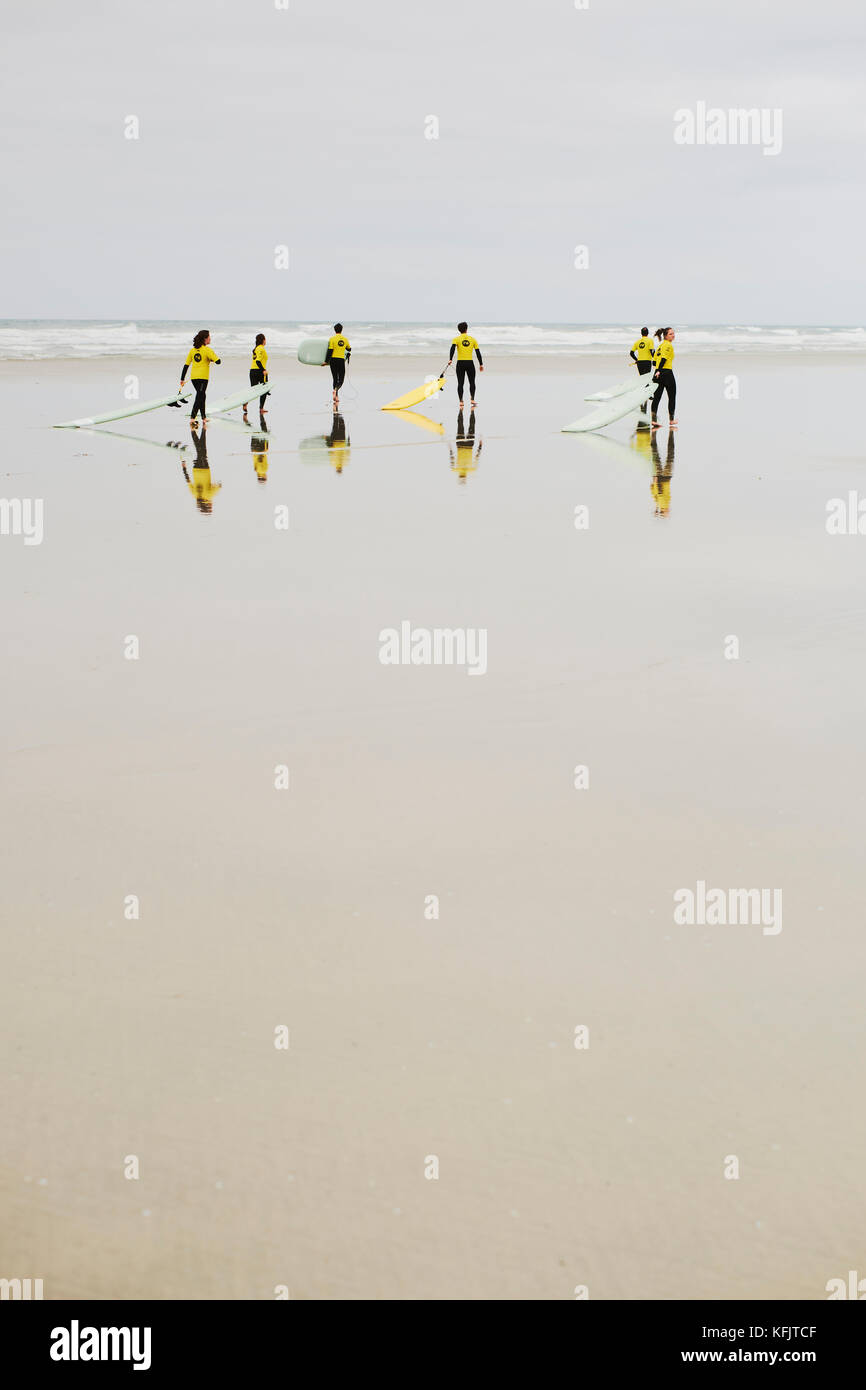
[
  {"x": 198, "y": 361},
  {"x": 259, "y": 370},
  {"x": 642, "y": 356},
  {"x": 465, "y": 345},
  {"x": 663, "y": 362},
  {"x": 337, "y": 358}
]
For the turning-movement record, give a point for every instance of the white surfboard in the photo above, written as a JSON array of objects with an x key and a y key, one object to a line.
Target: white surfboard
[
  {"x": 313, "y": 351},
  {"x": 614, "y": 409},
  {"x": 609, "y": 392},
  {"x": 239, "y": 398},
  {"x": 139, "y": 408}
]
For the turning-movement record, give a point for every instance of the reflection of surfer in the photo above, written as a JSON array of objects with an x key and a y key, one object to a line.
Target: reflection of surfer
[
  {"x": 660, "y": 487},
  {"x": 202, "y": 487},
  {"x": 259, "y": 450},
  {"x": 642, "y": 355},
  {"x": 338, "y": 443},
  {"x": 464, "y": 457}
]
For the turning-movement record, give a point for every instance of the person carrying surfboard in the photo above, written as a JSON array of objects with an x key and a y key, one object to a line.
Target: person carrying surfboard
[
  {"x": 197, "y": 363},
  {"x": 337, "y": 357},
  {"x": 663, "y": 362},
  {"x": 642, "y": 356},
  {"x": 259, "y": 370},
  {"x": 465, "y": 345}
]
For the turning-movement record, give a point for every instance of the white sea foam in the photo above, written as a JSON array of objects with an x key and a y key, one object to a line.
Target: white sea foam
[{"x": 42, "y": 339}]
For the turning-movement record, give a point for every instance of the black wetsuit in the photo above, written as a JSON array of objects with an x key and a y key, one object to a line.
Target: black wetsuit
[
  {"x": 257, "y": 378},
  {"x": 465, "y": 369},
  {"x": 200, "y": 384},
  {"x": 667, "y": 382},
  {"x": 338, "y": 371}
]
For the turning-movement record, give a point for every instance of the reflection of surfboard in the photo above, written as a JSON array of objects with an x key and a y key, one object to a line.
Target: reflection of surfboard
[
  {"x": 313, "y": 449},
  {"x": 239, "y": 398},
  {"x": 242, "y": 428},
  {"x": 138, "y": 439},
  {"x": 313, "y": 351},
  {"x": 421, "y": 393},
  {"x": 140, "y": 408},
  {"x": 622, "y": 453},
  {"x": 423, "y": 421},
  {"x": 614, "y": 409}
]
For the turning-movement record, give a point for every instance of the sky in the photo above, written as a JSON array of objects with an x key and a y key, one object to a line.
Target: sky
[{"x": 306, "y": 128}]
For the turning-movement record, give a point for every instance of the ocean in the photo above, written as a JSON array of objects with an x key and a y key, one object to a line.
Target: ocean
[{"x": 42, "y": 339}]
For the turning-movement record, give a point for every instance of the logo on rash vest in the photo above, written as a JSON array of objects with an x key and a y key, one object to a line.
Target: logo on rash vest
[{"x": 196, "y": 357}]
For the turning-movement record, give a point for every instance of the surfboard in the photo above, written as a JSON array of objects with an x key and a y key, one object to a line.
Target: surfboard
[
  {"x": 139, "y": 408},
  {"x": 609, "y": 392},
  {"x": 313, "y": 351},
  {"x": 249, "y": 393},
  {"x": 609, "y": 411},
  {"x": 422, "y": 393}
]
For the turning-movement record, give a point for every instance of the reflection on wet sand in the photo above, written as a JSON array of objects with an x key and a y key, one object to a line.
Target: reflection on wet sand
[
  {"x": 138, "y": 439},
  {"x": 464, "y": 454},
  {"x": 333, "y": 448},
  {"x": 662, "y": 474},
  {"x": 259, "y": 445},
  {"x": 422, "y": 421},
  {"x": 201, "y": 485}
]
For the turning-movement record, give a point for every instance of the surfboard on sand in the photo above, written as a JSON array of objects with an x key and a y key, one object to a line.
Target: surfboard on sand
[
  {"x": 609, "y": 392},
  {"x": 313, "y": 351},
  {"x": 138, "y": 408},
  {"x": 614, "y": 409},
  {"x": 421, "y": 393},
  {"x": 249, "y": 393}
]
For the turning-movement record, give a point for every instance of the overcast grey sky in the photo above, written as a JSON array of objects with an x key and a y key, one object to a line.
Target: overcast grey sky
[{"x": 306, "y": 127}]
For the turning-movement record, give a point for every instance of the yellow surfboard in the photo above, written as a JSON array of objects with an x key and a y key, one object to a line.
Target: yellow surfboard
[{"x": 423, "y": 393}]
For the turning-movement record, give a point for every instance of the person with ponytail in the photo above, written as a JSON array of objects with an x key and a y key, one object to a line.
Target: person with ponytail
[
  {"x": 663, "y": 362},
  {"x": 259, "y": 370},
  {"x": 198, "y": 361}
]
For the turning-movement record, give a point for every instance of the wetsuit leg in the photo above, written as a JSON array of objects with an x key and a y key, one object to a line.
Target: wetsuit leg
[
  {"x": 643, "y": 368},
  {"x": 470, "y": 372},
  {"x": 462, "y": 368},
  {"x": 199, "y": 404},
  {"x": 257, "y": 378},
  {"x": 338, "y": 371},
  {"x": 667, "y": 383}
]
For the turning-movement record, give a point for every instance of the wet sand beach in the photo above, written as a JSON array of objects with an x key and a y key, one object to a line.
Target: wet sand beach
[{"x": 413, "y": 1036}]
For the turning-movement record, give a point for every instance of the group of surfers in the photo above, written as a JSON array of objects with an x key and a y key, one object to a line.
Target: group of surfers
[{"x": 648, "y": 356}]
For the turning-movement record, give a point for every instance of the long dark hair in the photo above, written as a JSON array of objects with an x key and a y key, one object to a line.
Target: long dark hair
[{"x": 201, "y": 337}]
